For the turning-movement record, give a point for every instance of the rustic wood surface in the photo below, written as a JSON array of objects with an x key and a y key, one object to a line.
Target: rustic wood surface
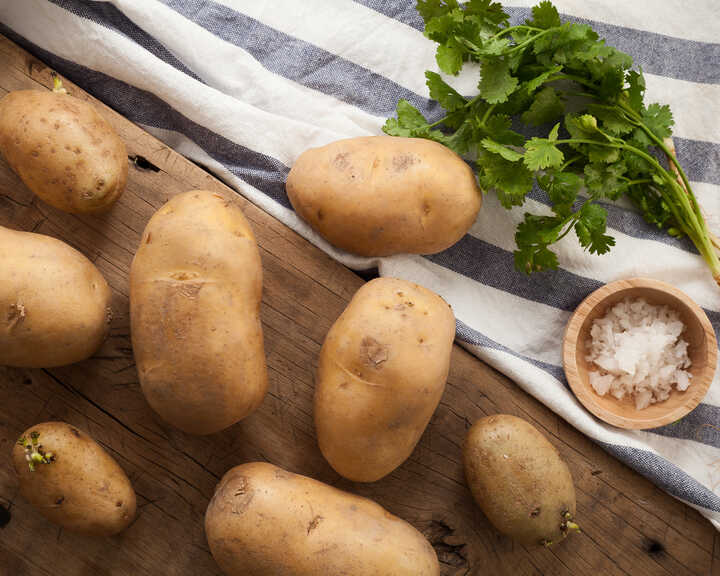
[{"x": 630, "y": 527}]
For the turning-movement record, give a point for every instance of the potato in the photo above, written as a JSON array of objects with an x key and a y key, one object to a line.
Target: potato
[
  {"x": 382, "y": 195},
  {"x": 195, "y": 290},
  {"x": 264, "y": 521},
  {"x": 63, "y": 150},
  {"x": 381, "y": 373},
  {"x": 54, "y": 304},
  {"x": 72, "y": 481},
  {"x": 519, "y": 480}
]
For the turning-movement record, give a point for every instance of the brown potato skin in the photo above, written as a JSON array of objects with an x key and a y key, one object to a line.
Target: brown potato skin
[
  {"x": 518, "y": 479},
  {"x": 265, "y": 521},
  {"x": 381, "y": 373},
  {"x": 54, "y": 303},
  {"x": 195, "y": 291},
  {"x": 384, "y": 195},
  {"x": 83, "y": 490},
  {"x": 63, "y": 150}
]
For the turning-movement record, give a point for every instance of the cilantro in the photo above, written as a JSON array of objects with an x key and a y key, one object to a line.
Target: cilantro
[
  {"x": 545, "y": 15},
  {"x": 504, "y": 151},
  {"x": 445, "y": 94},
  {"x": 562, "y": 189},
  {"x": 636, "y": 89},
  {"x": 499, "y": 126},
  {"x": 590, "y": 229},
  {"x": 538, "y": 81},
  {"x": 542, "y": 153},
  {"x": 409, "y": 122},
  {"x": 431, "y": 9},
  {"x": 609, "y": 145},
  {"x": 510, "y": 180},
  {"x": 450, "y": 56},
  {"x": 546, "y": 107},
  {"x": 496, "y": 83},
  {"x": 658, "y": 119}
]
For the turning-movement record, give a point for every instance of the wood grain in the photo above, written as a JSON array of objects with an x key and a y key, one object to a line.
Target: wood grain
[
  {"x": 698, "y": 333},
  {"x": 630, "y": 526}
]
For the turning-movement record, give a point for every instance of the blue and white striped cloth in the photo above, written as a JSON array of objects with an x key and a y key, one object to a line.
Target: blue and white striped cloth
[{"x": 244, "y": 86}]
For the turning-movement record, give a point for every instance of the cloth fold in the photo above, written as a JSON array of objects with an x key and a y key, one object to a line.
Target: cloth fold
[{"x": 244, "y": 86}]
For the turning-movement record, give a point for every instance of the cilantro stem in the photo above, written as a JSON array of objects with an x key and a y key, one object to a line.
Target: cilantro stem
[
  {"x": 639, "y": 181},
  {"x": 529, "y": 41},
  {"x": 487, "y": 114},
  {"x": 571, "y": 161},
  {"x": 513, "y": 28},
  {"x": 578, "y": 80},
  {"x": 466, "y": 105}
]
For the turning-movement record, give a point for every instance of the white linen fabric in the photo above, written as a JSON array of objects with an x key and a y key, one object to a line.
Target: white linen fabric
[{"x": 244, "y": 86}]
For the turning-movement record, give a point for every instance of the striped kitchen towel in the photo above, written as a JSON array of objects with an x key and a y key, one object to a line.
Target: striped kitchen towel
[{"x": 244, "y": 86}]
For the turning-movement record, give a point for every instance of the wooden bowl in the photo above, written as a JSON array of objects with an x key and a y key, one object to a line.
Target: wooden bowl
[{"x": 698, "y": 333}]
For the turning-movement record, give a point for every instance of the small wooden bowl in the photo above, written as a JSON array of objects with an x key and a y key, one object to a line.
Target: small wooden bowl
[{"x": 698, "y": 333}]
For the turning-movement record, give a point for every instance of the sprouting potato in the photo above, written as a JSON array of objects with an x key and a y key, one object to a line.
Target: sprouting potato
[
  {"x": 519, "y": 480},
  {"x": 67, "y": 477},
  {"x": 54, "y": 303}
]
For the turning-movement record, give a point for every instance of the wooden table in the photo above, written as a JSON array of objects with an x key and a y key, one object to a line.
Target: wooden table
[{"x": 630, "y": 527}]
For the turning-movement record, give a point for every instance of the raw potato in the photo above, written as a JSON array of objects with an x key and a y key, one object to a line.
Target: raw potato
[
  {"x": 381, "y": 373},
  {"x": 195, "y": 290},
  {"x": 382, "y": 195},
  {"x": 264, "y": 521},
  {"x": 74, "y": 483},
  {"x": 519, "y": 480},
  {"x": 54, "y": 304},
  {"x": 63, "y": 150}
]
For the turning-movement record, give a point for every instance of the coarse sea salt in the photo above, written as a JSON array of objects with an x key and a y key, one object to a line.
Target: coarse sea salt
[{"x": 637, "y": 351}]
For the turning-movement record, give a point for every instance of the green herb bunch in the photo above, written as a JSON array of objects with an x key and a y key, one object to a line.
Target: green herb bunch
[{"x": 551, "y": 72}]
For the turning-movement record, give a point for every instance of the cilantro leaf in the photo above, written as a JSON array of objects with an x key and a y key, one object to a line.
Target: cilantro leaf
[
  {"x": 487, "y": 11},
  {"x": 512, "y": 181},
  {"x": 538, "y": 81},
  {"x": 492, "y": 47},
  {"x": 542, "y": 153},
  {"x": 446, "y": 95},
  {"x": 658, "y": 119},
  {"x": 449, "y": 56},
  {"x": 605, "y": 180},
  {"x": 611, "y": 84},
  {"x": 443, "y": 27},
  {"x": 504, "y": 151},
  {"x": 545, "y": 15},
  {"x": 546, "y": 107},
  {"x": 535, "y": 259},
  {"x": 460, "y": 141},
  {"x": 430, "y": 9},
  {"x": 636, "y": 89},
  {"x": 532, "y": 237},
  {"x": 582, "y": 127},
  {"x": 612, "y": 120},
  {"x": 496, "y": 83},
  {"x": 409, "y": 122},
  {"x": 653, "y": 207},
  {"x": 602, "y": 153},
  {"x": 590, "y": 229},
  {"x": 562, "y": 189},
  {"x": 499, "y": 126},
  {"x": 636, "y": 166},
  {"x": 538, "y": 230}
]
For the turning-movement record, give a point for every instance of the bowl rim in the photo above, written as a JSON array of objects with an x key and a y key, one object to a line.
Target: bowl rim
[{"x": 588, "y": 398}]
